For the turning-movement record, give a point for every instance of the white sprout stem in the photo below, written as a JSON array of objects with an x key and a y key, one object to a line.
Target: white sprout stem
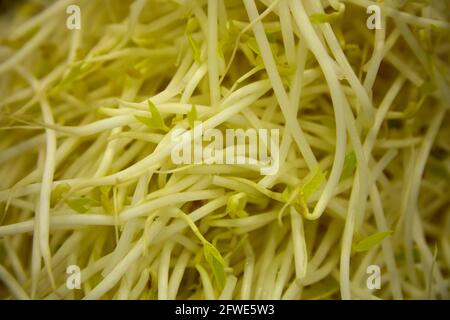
[
  {"x": 287, "y": 33},
  {"x": 377, "y": 56},
  {"x": 208, "y": 289},
  {"x": 339, "y": 102},
  {"x": 43, "y": 212},
  {"x": 12, "y": 284},
  {"x": 108, "y": 155},
  {"x": 388, "y": 251},
  {"x": 278, "y": 88},
  {"x": 26, "y": 49},
  {"x": 247, "y": 279},
  {"x": 177, "y": 274},
  {"x": 110, "y": 280},
  {"x": 59, "y": 222},
  {"x": 213, "y": 66},
  {"x": 366, "y": 112},
  {"x": 163, "y": 272},
  {"x": 381, "y": 114},
  {"x": 298, "y": 238},
  {"x": 14, "y": 260},
  {"x": 227, "y": 292},
  {"x": 284, "y": 272},
  {"x": 416, "y": 175},
  {"x": 169, "y": 200}
]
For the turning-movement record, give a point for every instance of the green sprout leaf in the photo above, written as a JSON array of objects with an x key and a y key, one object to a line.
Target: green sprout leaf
[
  {"x": 299, "y": 196},
  {"x": 82, "y": 204},
  {"x": 253, "y": 45},
  {"x": 236, "y": 205},
  {"x": 105, "y": 200},
  {"x": 371, "y": 241},
  {"x": 216, "y": 263},
  {"x": 58, "y": 192},
  {"x": 192, "y": 25},
  {"x": 313, "y": 184},
  {"x": 134, "y": 73},
  {"x": 156, "y": 121},
  {"x": 212, "y": 256},
  {"x": 194, "y": 48},
  {"x": 76, "y": 72},
  {"x": 286, "y": 194},
  {"x": 318, "y": 18},
  {"x": 349, "y": 166}
]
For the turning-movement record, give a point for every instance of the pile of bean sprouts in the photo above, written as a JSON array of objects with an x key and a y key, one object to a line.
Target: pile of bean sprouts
[{"x": 359, "y": 208}]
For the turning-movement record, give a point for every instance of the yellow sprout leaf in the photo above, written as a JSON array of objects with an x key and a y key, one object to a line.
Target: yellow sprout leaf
[
  {"x": 82, "y": 204},
  {"x": 236, "y": 205},
  {"x": 216, "y": 263},
  {"x": 371, "y": 241},
  {"x": 349, "y": 166},
  {"x": 156, "y": 121},
  {"x": 58, "y": 192}
]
